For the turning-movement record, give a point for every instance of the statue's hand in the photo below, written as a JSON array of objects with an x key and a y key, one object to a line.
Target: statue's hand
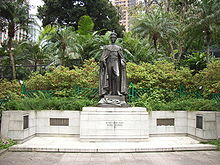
[{"x": 123, "y": 63}]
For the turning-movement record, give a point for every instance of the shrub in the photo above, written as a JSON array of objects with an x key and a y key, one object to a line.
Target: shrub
[
  {"x": 154, "y": 96},
  {"x": 159, "y": 75},
  {"x": 51, "y": 103},
  {"x": 209, "y": 78},
  {"x": 64, "y": 78},
  {"x": 187, "y": 104},
  {"x": 8, "y": 88}
]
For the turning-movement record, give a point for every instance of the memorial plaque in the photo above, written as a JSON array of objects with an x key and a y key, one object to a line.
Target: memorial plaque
[
  {"x": 165, "y": 122},
  {"x": 110, "y": 124},
  {"x": 199, "y": 122},
  {"x": 59, "y": 121},
  {"x": 25, "y": 122},
  {"x": 114, "y": 124}
]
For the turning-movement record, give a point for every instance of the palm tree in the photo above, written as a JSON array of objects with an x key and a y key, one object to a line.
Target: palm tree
[
  {"x": 62, "y": 43},
  {"x": 31, "y": 53},
  {"x": 156, "y": 26},
  {"x": 14, "y": 14},
  {"x": 136, "y": 50},
  {"x": 205, "y": 20}
]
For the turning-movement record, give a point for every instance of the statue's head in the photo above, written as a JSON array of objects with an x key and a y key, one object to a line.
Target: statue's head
[{"x": 113, "y": 37}]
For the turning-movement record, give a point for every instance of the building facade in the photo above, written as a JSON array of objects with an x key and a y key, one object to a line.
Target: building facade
[
  {"x": 23, "y": 34},
  {"x": 123, "y": 6},
  {"x": 20, "y": 35}
]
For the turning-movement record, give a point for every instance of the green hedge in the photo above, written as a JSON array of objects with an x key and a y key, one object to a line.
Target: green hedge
[
  {"x": 185, "y": 104},
  {"x": 52, "y": 103}
]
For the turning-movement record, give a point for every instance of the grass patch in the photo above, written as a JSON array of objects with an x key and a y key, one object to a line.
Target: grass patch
[
  {"x": 6, "y": 143},
  {"x": 215, "y": 142}
]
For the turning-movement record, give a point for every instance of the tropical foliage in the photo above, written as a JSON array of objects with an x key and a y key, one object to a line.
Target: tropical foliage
[
  {"x": 14, "y": 16},
  {"x": 170, "y": 45}
]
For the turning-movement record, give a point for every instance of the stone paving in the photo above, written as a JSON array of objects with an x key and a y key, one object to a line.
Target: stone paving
[
  {"x": 158, "y": 158},
  {"x": 72, "y": 144}
]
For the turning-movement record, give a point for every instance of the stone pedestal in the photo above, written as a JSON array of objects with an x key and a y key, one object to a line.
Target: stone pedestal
[{"x": 114, "y": 124}]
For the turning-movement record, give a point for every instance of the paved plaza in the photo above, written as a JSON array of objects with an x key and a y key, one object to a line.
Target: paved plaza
[
  {"x": 70, "y": 151},
  {"x": 72, "y": 144},
  {"x": 155, "y": 158}
]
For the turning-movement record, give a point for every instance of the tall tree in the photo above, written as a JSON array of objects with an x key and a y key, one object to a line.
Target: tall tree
[
  {"x": 14, "y": 14},
  {"x": 204, "y": 21},
  {"x": 68, "y": 12},
  {"x": 156, "y": 25},
  {"x": 62, "y": 43}
]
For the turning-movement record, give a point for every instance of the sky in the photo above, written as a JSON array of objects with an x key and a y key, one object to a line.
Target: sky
[
  {"x": 33, "y": 11},
  {"x": 34, "y": 4}
]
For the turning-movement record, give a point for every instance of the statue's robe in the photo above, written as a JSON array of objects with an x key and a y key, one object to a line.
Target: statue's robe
[{"x": 104, "y": 85}]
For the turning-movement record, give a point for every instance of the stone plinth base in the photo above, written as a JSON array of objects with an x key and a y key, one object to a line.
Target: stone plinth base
[{"x": 114, "y": 124}]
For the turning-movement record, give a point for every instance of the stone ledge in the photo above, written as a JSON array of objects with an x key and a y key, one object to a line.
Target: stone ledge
[
  {"x": 114, "y": 109},
  {"x": 116, "y": 150}
]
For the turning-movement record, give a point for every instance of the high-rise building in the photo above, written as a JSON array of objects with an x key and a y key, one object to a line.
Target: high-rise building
[
  {"x": 20, "y": 35},
  {"x": 123, "y": 6},
  {"x": 33, "y": 28}
]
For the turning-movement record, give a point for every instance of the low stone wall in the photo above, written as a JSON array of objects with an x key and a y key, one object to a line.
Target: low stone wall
[
  {"x": 210, "y": 124},
  {"x": 39, "y": 122},
  {"x": 167, "y": 122},
  {"x": 13, "y": 124},
  {"x": 201, "y": 124},
  {"x": 58, "y": 125},
  {"x": 19, "y": 125}
]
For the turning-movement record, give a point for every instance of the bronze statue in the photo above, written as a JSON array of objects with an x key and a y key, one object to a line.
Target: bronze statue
[{"x": 112, "y": 83}]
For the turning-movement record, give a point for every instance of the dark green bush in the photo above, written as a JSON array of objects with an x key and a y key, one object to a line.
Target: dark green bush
[
  {"x": 52, "y": 103},
  {"x": 186, "y": 104}
]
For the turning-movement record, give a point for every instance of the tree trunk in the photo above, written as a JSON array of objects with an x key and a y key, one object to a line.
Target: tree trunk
[
  {"x": 64, "y": 55},
  {"x": 171, "y": 48},
  {"x": 35, "y": 65},
  {"x": 11, "y": 33},
  {"x": 155, "y": 44},
  {"x": 180, "y": 51},
  {"x": 12, "y": 59},
  {"x": 208, "y": 41},
  {"x": 168, "y": 6}
]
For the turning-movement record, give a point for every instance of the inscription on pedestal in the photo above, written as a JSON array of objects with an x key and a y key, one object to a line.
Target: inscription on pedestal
[{"x": 114, "y": 124}]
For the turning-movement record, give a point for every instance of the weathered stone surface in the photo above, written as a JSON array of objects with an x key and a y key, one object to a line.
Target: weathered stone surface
[
  {"x": 110, "y": 124},
  {"x": 104, "y": 119}
]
